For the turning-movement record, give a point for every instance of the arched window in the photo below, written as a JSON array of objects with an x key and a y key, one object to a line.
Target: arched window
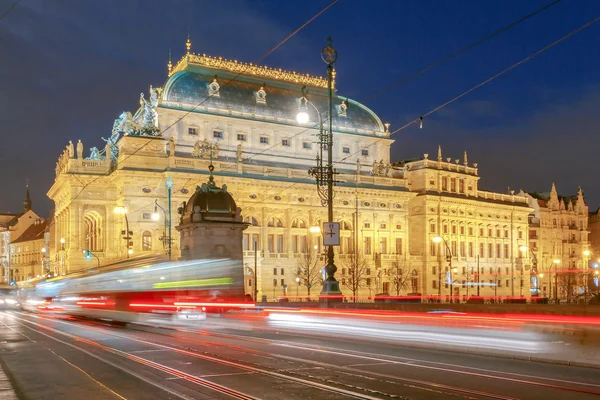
[
  {"x": 146, "y": 241},
  {"x": 298, "y": 223},
  {"x": 554, "y": 222},
  {"x": 275, "y": 222},
  {"x": 345, "y": 226},
  {"x": 251, "y": 220}
]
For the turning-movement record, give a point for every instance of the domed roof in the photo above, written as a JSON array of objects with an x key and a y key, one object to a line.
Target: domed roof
[
  {"x": 242, "y": 97},
  {"x": 209, "y": 202}
]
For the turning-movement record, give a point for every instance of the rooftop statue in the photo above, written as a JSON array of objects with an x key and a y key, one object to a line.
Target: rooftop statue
[{"x": 149, "y": 114}]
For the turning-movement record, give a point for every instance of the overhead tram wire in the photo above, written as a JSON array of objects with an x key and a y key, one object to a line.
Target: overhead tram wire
[
  {"x": 464, "y": 49},
  {"x": 528, "y": 58},
  {"x": 208, "y": 97},
  {"x": 9, "y": 10},
  {"x": 431, "y": 66}
]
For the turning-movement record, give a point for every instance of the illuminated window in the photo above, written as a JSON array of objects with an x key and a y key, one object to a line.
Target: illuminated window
[
  {"x": 218, "y": 134},
  {"x": 285, "y": 142},
  {"x": 241, "y": 137},
  {"x": 146, "y": 241},
  {"x": 306, "y": 145},
  {"x": 192, "y": 131},
  {"x": 365, "y": 152},
  {"x": 346, "y": 150},
  {"x": 264, "y": 140}
]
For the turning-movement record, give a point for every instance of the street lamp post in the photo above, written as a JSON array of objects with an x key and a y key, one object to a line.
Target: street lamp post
[
  {"x": 325, "y": 174},
  {"x": 556, "y": 261},
  {"x": 122, "y": 210},
  {"x": 439, "y": 239},
  {"x": 168, "y": 222}
]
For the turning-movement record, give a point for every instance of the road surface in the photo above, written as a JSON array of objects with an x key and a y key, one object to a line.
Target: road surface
[{"x": 54, "y": 357}]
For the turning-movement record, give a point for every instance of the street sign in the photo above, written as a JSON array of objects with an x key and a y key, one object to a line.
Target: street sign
[{"x": 331, "y": 234}]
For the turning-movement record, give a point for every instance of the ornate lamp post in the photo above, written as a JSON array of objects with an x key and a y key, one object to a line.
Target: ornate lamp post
[
  {"x": 88, "y": 256},
  {"x": 324, "y": 174}
]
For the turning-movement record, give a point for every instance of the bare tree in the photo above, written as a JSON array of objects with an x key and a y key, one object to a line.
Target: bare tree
[
  {"x": 308, "y": 269},
  {"x": 567, "y": 281},
  {"x": 355, "y": 271},
  {"x": 401, "y": 276}
]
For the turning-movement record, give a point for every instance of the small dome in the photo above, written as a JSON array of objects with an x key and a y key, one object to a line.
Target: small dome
[{"x": 209, "y": 202}]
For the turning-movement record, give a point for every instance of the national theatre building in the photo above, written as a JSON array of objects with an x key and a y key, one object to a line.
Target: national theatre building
[{"x": 241, "y": 118}]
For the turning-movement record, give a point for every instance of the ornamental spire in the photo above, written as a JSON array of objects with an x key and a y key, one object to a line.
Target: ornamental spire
[
  {"x": 27, "y": 202},
  {"x": 170, "y": 63},
  {"x": 440, "y": 153},
  {"x": 188, "y": 44},
  {"x": 466, "y": 161}
]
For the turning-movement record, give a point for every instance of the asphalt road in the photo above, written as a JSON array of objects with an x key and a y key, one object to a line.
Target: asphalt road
[{"x": 52, "y": 357}]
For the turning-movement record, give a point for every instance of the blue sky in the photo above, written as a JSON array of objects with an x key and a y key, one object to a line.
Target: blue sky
[{"x": 68, "y": 68}]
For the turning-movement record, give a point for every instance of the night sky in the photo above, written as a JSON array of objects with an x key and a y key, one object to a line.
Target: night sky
[{"x": 69, "y": 68}]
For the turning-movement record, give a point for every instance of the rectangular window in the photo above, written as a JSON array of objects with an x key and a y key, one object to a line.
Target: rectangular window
[
  {"x": 368, "y": 271},
  {"x": 367, "y": 225},
  {"x": 497, "y": 232},
  {"x": 454, "y": 229},
  {"x": 365, "y": 152},
  {"x": 505, "y": 251},
  {"x": 462, "y": 230},
  {"x": 368, "y": 282},
  {"x": 346, "y": 150},
  {"x": 481, "y": 252},
  {"x": 147, "y": 216},
  {"x": 383, "y": 245},
  {"x": 461, "y": 185},
  {"x": 520, "y": 234},
  {"x": 481, "y": 232},
  {"x": 274, "y": 271},
  {"x": 367, "y": 245},
  {"x": 283, "y": 282},
  {"x": 433, "y": 248},
  {"x": 382, "y": 226},
  {"x": 218, "y": 134},
  {"x": 490, "y": 232},
  {"x": 454, "y": 249},
  {"x": 470, "y": 249},
  {"x": 444, "y": 183},
  {"x": 398, "y": 245},
  {"x": 490, "y": 251},
  {"x": 241, "y": 137},
  {"x": 192, "y": 131},
  {"x": 398, "y": 227},
  {"x": 506, "y": 233},
  {"x": 434, "y": 284},
  {"x": 507, "y": 283},
  {"x": 498, "y": 253},
  {"x": 433, "y": 270},
  {"x": 470, "y": 231},
  {"x": 453, "y": 185},
  {"x": 462, "y": 249},
  {"x": 250, "y": 283},
  {"x": 274, "y": 283},
  {"x": 445, "y": 228},
  {"x": 264, "y": 140},
  {"x": 281, "y": 270},
  {"x": 285, "y": 142},
  {"x": 306, "y": 145},
  {"x": 432, "y": 228},
  {"x": 271, "y": 243}
]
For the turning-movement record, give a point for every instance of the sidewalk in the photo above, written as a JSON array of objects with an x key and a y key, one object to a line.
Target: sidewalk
[{"x": 6, "y": 390}]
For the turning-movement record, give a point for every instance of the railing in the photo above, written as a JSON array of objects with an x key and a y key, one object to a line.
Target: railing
[
  {"x": 443, "y": 165},
  {"x": 501, "y": 197}
]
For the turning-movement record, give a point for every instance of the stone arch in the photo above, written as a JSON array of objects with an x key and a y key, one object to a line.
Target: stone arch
[
  {"x": 275, "y": 222},
  {"x": 93, "y": 231},
  {"x": 251, "y": 220},
  {"x": 147, "y": 241},
  {"x": 299, "y": 223}
]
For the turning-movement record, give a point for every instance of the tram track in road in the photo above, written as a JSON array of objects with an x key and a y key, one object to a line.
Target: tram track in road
[
  {"x": 180, "y": 374},
  {"x": 502, "y": 376},
  {"x": 309, "y": 379}
]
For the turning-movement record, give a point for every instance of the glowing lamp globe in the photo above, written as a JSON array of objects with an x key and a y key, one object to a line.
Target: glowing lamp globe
[{"x": 302, "y": 117}]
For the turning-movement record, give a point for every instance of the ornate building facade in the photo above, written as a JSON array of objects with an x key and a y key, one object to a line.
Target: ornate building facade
[
  {"x": 558, "y": 237},
  {"x": 12, "y": 226},
  {"x": 246, "y": 127}
]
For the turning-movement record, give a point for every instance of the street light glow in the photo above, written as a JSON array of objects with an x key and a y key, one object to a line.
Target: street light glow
[
  {"x": 62, "y": 240},
  {"x": 314, "y": 229},
  {"x": 541, "y": 275},
  {"x": 120, "y": 210},
  {"x": 587, "y": 253},
  {"x": 556, "y": 261},
  {"x": 302, "y": 116},
  {"x": 155, "y": 216},
  {"x": 437, "y": 239},
  {"x": 129, "y": 251},
  {"x": 43, "y": 249},
  {"x": 523, "y": 248}
]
